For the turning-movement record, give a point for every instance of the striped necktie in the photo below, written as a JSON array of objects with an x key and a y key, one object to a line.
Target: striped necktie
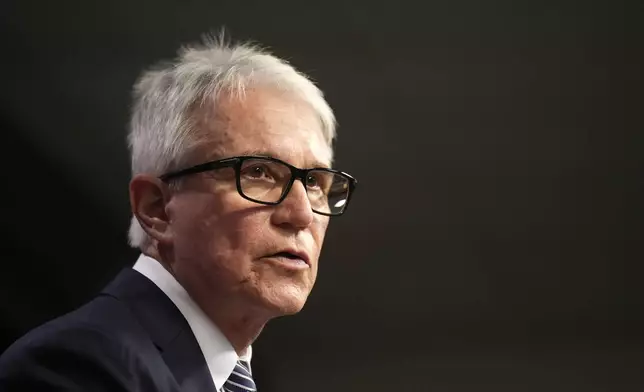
[{"x": 240, "y": 380}]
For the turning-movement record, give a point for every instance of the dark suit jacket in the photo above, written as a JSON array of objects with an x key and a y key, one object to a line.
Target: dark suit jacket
[{"x": 131, "y": 337}]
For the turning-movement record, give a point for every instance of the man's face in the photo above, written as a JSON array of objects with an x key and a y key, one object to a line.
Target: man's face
[{"x": 222, "y": 243}]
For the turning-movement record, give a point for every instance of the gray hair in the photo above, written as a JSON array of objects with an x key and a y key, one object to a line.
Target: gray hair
[{"x": 162, "y": 128}]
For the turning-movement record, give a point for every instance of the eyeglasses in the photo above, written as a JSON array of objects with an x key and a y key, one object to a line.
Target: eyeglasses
[{"x": 267, "y": 180}]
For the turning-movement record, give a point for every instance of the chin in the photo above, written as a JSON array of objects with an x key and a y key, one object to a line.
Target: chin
[{"x": 284, "y": 301}]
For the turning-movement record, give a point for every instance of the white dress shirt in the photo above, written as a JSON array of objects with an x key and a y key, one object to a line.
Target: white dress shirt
[{"x": 219, "y": 354}]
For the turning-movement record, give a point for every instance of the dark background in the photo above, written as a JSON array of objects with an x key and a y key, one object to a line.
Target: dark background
[{"x": 495, "y": 242}]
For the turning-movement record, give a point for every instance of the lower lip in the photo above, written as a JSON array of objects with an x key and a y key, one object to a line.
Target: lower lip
[{"x": 285, "y": 262}]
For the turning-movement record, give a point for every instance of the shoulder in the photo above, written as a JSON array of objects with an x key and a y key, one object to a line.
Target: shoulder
[
  {"x": 102, "y": 321},
  {"x": 88, "y": 349},
  {"x": 71, "y": 358}
]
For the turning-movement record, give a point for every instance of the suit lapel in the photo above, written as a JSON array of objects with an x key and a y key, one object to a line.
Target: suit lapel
[{"x": 167, "y": 328}]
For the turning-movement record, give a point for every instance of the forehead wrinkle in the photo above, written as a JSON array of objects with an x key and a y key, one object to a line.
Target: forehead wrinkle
[
  {"x": 266, "y": 152},
  {"x": 214, "y": 127},
  {"x": 236, "y": 125}
]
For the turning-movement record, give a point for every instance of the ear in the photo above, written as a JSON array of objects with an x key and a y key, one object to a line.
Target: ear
[{"x": 148, "y": 198}]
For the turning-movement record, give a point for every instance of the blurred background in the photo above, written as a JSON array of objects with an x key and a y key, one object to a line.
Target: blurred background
[{"x": 495, "y": 240}]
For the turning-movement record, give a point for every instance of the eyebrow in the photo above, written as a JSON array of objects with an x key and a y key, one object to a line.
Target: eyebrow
[{"x": 264, "y": 153}]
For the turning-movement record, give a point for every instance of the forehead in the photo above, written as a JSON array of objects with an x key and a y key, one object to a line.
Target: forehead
[{"x": 266, "y": 122}]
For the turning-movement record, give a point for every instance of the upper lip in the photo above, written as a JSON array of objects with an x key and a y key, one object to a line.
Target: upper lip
[{"x": 302, "y": 255}]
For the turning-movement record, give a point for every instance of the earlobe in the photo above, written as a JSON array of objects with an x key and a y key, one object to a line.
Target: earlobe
[{"x": 148, "y": 199}]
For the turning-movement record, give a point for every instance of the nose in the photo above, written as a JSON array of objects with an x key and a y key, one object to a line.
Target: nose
[{"x": 295, "y": 210}]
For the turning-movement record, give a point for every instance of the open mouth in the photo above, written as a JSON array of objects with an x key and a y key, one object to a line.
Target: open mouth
[
  {"x": 290, "y": 258},
  {"x": 287, "y": 255}
]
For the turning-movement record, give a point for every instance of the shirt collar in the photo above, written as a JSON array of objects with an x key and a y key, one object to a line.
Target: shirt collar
[{"x": 219, "y": 354}]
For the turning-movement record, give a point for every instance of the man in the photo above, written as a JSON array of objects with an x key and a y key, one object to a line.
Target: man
[{"x": 231, "y": 196}]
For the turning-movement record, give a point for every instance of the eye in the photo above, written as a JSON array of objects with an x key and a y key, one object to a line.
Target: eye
[
  {"x": 319, "y": 181},
  {"x": 312, "y": 181},
  {"x": 257, "y": 172}
]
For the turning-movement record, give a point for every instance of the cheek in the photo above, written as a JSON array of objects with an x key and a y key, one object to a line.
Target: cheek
[
  {"x": 319, "y": 230},
  {"x": 192, "y": 218},
  {"x": 205, "y": 244},
  {"x": 197, "y": 237},
  {"x": 219, "y": 229}
]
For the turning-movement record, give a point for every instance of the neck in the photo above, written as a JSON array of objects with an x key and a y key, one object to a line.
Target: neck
[
  {"x": 239, "y": 323},
  {"x": 240, "y": 330}
]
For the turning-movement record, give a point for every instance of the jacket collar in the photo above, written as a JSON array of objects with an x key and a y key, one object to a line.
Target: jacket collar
[{"x": 166, "y": 326}]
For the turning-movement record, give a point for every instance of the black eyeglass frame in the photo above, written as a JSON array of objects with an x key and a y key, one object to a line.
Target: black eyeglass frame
[{"x": 236, "y": 163}]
